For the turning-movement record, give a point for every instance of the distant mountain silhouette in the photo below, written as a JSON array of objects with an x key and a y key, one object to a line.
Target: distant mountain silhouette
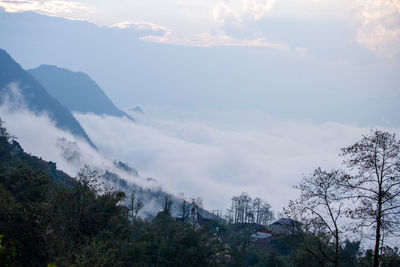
[
  {"x": 76, "y": 90},
  {"x": 137, "y": 109},
  {"x": 36, "y": 97}
]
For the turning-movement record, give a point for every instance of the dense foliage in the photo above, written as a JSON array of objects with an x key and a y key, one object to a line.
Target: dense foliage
[{"x": 47, "y": 217}]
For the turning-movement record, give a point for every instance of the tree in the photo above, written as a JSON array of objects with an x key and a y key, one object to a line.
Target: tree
[
  {"x": 89, "y": 179},
  {"x": 246, "y": 210},
  {"x": 135, "y": 205},
  {"x": 375, "y": 183},
  {"x": 5, "y": 138},
  {"x": 390, "y": 257},
  {"x": 183, "y": 211},
  {"x": 167, "y": 205},
  {"x": 6, "y": 254},
  {"x": 318, "y": 211}
]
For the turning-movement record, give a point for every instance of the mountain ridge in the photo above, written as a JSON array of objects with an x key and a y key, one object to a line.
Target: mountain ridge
[
  {"x": 76, "y": 90},
  {"x": 36, "y": 96}
]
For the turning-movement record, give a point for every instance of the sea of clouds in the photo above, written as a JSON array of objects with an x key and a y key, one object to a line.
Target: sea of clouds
[
  {"x": 208, "y": 154},
  {"x": 215, "y": 155}
]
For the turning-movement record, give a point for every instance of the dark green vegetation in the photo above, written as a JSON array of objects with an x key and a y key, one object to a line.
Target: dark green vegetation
[
  {"x": 47, "y": 217},
  {"x": 35, "y": 96},
  {"x": 76, "y": 90}
]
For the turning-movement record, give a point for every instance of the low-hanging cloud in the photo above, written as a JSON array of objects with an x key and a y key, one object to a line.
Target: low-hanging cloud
[
  {"x": 216, "y": 159},
  {"x": 38, "y": 135},
  {"x": 215, "y": 156}
]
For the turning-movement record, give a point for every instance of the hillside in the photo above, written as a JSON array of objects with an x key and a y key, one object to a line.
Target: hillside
[
  {"x": 76, "y": 90},
  {"x": 35, "y": 96},
  {"x": 48, "y": 217}
]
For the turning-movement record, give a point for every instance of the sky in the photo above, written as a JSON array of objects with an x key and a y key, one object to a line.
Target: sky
[
  {"x": 289, "y": 66},
  {"x": 244, "y": 95},
  {"x": 372, "y": 24},
  {"x": 302, "y": 59}
]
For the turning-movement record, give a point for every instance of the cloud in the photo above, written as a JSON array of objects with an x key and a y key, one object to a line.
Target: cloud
[
  {"x": 257, "y": 8},
  {"x": 216, "y": 156},
  {"x": 216, "y": 159},
  {"x": 239, "y": 18},
  {"x": 151, "y": 32},
  {"x": 244, "y": 23},
  {"x": 211, "y": 40},
  {"x": 48, "y": 7},
  {"x": 249, "y": 10},
  {"x": 141, "y": 26},
  {"x": 39, "y": 136},
  {"x": 380, "y": 26}
]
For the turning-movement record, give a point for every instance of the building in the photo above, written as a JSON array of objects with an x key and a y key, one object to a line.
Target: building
[
  {"x": 193, "y": 214},
  {"x": 261, "y": 234},
  {"x": 283, "y": 226}
]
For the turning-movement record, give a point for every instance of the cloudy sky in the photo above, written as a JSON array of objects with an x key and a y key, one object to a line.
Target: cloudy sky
[
  {"x": 239, "y": 95},
  {"x": 300, "y": 59},
  {"x": 372, "y": 24}
]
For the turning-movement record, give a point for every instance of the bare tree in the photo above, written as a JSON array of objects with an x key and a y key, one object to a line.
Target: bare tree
[
  {"x": 246, "y": 210},
  {"x": 265, "y": 214},
  {"x": 135, "y": 205},
  {"x": 375, "y": 185},
  {"x": 167, "y": 205},
  {"x": 318, "y": 211},
  {"x": 198, "y": 201},
  {"x": 184, "y": 211},
  {"x": 257, "y": 202}
]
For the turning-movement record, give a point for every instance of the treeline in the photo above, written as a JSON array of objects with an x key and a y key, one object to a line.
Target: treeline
[{"x": 244, "y": 209}]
